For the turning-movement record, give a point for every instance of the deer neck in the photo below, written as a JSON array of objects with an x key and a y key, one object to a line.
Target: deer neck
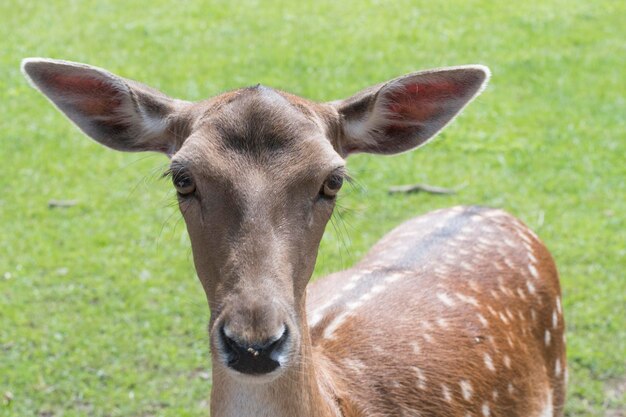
[{"x": 306, "y": 389}]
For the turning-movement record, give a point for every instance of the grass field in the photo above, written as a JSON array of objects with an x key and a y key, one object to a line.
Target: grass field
[{"x": 100, "y": 310}]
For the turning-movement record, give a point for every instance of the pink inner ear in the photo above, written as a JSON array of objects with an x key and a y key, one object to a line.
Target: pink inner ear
[
  {"x": 91, "y": 96},
  {"x": 421, "y": 102}
]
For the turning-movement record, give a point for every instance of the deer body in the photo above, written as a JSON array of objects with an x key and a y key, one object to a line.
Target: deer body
[
  {"x": 476, "y": 329},
  {"x": 455, "y": 313}
]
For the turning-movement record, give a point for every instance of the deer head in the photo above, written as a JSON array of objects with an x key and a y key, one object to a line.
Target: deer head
[{"x": 257, "y": 172}]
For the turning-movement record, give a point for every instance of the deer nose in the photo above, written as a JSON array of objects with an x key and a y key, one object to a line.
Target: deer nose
[{"x": 253, "y": 358}]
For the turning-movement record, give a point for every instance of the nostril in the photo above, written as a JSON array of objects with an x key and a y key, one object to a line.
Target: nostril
[
  {"x": 254, "y": 358},
  {"x": 278, "y": 343},
  {"x": 231, "y": 347}
]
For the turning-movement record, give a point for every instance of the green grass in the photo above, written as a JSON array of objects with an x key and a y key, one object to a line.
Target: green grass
[{"x": 100, "y": 310}]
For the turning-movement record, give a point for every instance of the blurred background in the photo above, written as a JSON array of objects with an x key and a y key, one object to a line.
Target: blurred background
[{"x": 100, "y": 310}]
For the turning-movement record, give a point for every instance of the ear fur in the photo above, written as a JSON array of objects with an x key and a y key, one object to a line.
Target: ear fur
[
  {"x": 408, "y": 111},
  {"x": 121, "y": 114}
]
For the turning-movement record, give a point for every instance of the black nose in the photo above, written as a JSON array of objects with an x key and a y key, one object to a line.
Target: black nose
[{"x": 253, "y": 359}]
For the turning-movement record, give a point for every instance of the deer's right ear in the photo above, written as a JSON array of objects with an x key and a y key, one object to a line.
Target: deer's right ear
[{"x": 116, "y": 112}]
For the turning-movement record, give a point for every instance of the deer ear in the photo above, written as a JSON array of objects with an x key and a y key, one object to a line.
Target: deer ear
[
  {"x": 118, "y": 113},
  {"x": 406, "y": 112}
]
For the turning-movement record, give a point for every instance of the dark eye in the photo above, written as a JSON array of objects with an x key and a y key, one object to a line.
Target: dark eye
[
  {"x": 331, "y": 186},
  {"x": 183, "y": 182}
]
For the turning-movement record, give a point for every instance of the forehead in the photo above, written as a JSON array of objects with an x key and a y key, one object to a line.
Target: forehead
[{"x": 260, "y": 128}]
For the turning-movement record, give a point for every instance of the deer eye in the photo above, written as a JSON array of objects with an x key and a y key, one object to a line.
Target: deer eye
[
  {"x": 183, "y": 183},
  {"x": 331, "y": 186}
]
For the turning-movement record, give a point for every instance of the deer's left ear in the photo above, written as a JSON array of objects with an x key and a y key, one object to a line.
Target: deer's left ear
[
  {"x": 406, "y": 112},
  {"x": 122, "y": 114}
]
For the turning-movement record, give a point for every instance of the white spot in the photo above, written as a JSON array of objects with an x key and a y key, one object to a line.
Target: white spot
[
  {"x": 485, "y": 410},
  {"x": 489, "y": 363},
  {"x": 555, "y": 320},
  {"x": 317, "y": 314},
  {"x": 377, "y": 288},
  {"x": 507, "y": 361},
  {"x": 557, "y": 367},
  {"x": 449, "y": 256},
  {"x": 356, "y": 277},
  {"x": 525, "y": 237},
  {"x": 548, "y": 409},
  {"x": 334, "y": 325},
  {"x": 509, "y": 340},
  {"x": 416, "y": 348},
  {"x": 547, "y": 337},
  {"x": 349, "y": 286},
  {"x": 392, "y": 278},
  {"x": 558, "y": 304},
  {"x": 421, "y": 378},
  {"x": 315, "y": 318},
  {"x": 466, "y": 229},
  {"x": 531, "y": 287},
  {"x": 467, "y": 299},
  {"x": 483, "y": 320},
  {"x": 466, "y": 266},
  {"x": 473, "y": 285},
  {"x": 495, "y": 213},
  {"x": 533, "y": 271},
  {"x": 354, "y": 364},
  {"x": 509, "y": 243},
  {"x": 503, "y": 318},
  {"x": 509, "y": 314},
  {"x": 479, "y": 255},
  {"x": 466, "y": 389},
  {"x": 510, "y": 388},
  {"x": 533, "y": 314},
  {"x": 509, "y": 263},
  {"x": 532, "y": 234},
  {"x": 521, "y": 294},
  {"x": 427, "y": 337},
  {"x": 354, "y": 304},
  {"x": 489, "y": 229},
  {"x": 521, "y": 315},
  {"x": 442, "y": 323},
  {"x": 446, "y": 393},
  {"x": 504, "y": 290},
  {"x": 492, "y": 311},
  {"x": 444, "y": 298},
  {"x": 528, "y": 247},
  {"x": 365, "y": 297},
  {"x": 441, "y": 270},
  {"x": 494, "y": 395},
  {"x": 532, "y": 257}
]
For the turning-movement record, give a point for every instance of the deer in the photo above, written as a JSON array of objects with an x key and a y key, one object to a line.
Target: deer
[{"x": 457, "y": 312}]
